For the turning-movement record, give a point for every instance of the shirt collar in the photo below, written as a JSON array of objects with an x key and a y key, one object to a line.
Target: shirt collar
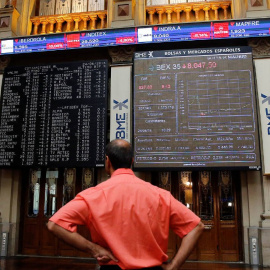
[{"x": 122, "y": 171}]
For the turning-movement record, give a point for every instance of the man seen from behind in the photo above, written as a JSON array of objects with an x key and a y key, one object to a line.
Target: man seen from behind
[{"x": 128, "y": 219}]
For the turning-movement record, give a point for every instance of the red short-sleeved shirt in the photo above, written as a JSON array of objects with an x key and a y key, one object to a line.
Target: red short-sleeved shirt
[{"x": 130, "y": 217}]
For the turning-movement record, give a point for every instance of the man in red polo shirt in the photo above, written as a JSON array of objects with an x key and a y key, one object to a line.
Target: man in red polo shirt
[{"x": 128, "y": 218}]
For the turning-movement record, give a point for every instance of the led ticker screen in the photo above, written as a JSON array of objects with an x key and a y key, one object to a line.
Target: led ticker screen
[
  {"x": 195, "y": 108},
  {"x": 79, "y": 40},
  {"x": 54, "y": 115},
  {"x": 138, "y": 35}
]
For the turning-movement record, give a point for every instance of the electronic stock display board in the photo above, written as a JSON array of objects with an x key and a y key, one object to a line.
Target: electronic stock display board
[
  {"x": 54, "y": 115},
  {"x": 247, "y": 28},
  {"x": 195, "y": 108}
]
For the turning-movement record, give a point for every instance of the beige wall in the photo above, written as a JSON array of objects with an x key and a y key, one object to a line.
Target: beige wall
[
  {"x": 256, "y": 194},
  {"x": 238, "y": 9},
  {"x": 252, "y": 207},
  {"x": 26, "y": 9},
  {"x": 2, "y": 3},
  {"x": 10, "y": 206},
  {"x": 255, "y": 197},
  {"x": 10, "y": 201},
  {"x": 1, "y": 79},
  {"x": 9, "y": 195}
]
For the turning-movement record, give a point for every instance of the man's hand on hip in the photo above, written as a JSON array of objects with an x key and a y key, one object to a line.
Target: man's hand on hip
[
  {"x": 103, "y": 255},
  {"x": 78, "y": 241},
  {"x": 167, "y": 266}
]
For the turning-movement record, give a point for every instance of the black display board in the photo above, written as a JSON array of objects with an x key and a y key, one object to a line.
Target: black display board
[
  {"x": 195, "y": 108},
  {"x": 54, "y": 115}
]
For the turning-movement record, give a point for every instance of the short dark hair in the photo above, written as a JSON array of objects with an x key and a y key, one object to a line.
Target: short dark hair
[{"x": 119, "y": 153}]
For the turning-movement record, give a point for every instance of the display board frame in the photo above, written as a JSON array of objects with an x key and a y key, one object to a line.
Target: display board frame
[
  {"x": 207, "y": 53},
  {"x": 151, "y": 34},
  {"x": 67, "y": 98}
]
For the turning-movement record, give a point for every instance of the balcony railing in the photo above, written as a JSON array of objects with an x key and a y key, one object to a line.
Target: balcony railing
[
  {"x": 157, "y": 14},
  {"x": 69, "y": 22},
  {"x": 187, "y": 12}
]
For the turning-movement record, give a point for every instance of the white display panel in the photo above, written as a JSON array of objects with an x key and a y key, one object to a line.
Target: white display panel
[{"x": 263, "y": 85}]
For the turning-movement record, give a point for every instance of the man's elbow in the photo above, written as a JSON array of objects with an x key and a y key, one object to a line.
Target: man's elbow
[
  {"x": 51, "y": 226},
  {"x": 200, "y": 227}
]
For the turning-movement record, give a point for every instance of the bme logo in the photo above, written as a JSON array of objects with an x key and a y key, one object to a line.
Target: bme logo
[
  {"x": 121, "y": 119},
  {"x": 265, "y": 99},
  {"x": 267, "y": 110},
  {"x": 120, "y": 105}
]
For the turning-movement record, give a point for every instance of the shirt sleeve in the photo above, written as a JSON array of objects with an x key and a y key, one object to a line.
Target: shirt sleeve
[
  {"x": 182, "y": 219},
  {"x": 75, "y": 212}
]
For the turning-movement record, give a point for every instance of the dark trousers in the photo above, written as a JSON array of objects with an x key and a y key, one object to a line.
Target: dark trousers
[{"x": 116, "y": 267}]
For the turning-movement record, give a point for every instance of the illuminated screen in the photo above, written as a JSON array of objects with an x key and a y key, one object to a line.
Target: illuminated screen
[
  {"x": 195, "y": 108},
  {"x": 54, "y": 115},
  {"x": 247, "y": 28}
]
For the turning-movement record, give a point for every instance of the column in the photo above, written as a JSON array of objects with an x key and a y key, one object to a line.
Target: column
[
  {"x": 10, "y": 207},
  {"x": 225, "y": 8},
  {"x": 102, "y": 17},
  {"x": 76, "y": 19},
  {"x": 187, "y": 9},
  {"x": 93, "y": 21},
  {"x": 206, "y": 9},
  {"x": 265, "y": 230},
  {"x": 197, "y": 8},
  {"x": 238, "y": 9},
  {"x": 262, "y": 66},
  {"x": 178, "y": 10},
  {"x": 151, "y": 13},
  {"x": 44, "y": 23},
  {"x": 59, "y": 21},
  {"x": 85, "y": 19},
  {"x": 215, "y": 7},
  {"x": 169, "y": 15},
  {"x": 36, "y": 23},
  {"x": 27, "y": 9},
  {"x": 121, "y": 93},
  {"x": 160, "y": 11},
  {"x": 69, "y": 20},
  {"x": 52, "y": 21}
]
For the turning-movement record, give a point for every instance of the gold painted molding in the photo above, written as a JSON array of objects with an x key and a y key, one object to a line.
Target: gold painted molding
[
  {"x": 122, "y": 54},
  {"x": 260, "y": 47},
  {"x": 4, "y": 61}
]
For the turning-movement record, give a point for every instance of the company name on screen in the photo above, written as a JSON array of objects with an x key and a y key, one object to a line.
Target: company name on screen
[
  {"x": 168, "y": 28},
  {"x": 120, "y": 120},
  {"x": 26, "y": 40},
  {"x": 247, "y": 23},
  {"x": 267, "y": 110},
  {"x": 267, "y": 113},
  {"x": 203, "y": 51},
  {"x": 96, "y": 34}
]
